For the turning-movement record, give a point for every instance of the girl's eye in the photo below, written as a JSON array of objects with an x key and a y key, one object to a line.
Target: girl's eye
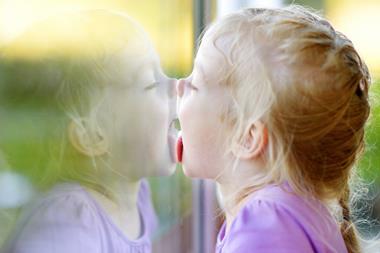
[
  {"x": 191, "y": 86},
  {"x": 152, "y": 86}
]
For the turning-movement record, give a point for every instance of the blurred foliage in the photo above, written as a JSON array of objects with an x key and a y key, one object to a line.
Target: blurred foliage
[{"x": 369, "y": 166}]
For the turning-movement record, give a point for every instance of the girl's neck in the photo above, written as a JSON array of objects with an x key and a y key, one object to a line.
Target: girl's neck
[
  {"x": 225, "y": 192},
  {"x": 122, "y": 207},
  {"x": 121, "y": 189},
  {"x": 229, "y": 187},
  {"x": 124, "y": 192}
]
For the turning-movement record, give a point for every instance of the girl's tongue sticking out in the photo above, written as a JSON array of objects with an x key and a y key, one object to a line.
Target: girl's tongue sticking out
[{"x": 179, "y": 148}]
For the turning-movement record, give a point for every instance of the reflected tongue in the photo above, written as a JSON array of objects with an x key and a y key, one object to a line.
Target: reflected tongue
[{"x": 179, "y": 149}]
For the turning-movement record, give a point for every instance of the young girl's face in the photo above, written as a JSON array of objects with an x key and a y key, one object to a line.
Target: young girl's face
[
  {"x": 139, "y": 120},
  {"x": 200, "y": 106}
]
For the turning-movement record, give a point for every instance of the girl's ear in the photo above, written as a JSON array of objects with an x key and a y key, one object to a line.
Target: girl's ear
[
  {"x": 253, "y": 142},
  {"x": 86, "y": 141}
]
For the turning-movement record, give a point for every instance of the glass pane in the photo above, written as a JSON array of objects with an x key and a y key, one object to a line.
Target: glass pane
[{"x": 30, "y": 143}]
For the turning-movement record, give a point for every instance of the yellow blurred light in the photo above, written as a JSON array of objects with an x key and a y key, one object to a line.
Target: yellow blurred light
[
  {"x": 359, "y": 21},
  {"x": 17, "y": 15},
  {"x": 168, "y": 23}
]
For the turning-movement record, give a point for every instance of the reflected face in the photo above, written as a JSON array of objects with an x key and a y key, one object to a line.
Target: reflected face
[
  {"x": 201, "y": 102},
  {"x": 139, "y": 120},
  {"x": 101, "y": 76}
]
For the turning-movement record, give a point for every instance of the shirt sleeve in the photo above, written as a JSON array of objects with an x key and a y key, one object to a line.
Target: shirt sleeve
[
  {"x": 63, "y": 224},
  {"x": 265, "y": 227}
]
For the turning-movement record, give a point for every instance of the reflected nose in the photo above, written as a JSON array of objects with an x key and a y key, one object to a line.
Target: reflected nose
[
  {"x": 180, "y": 87},
  {"x": 172, "y": 98},
  {"x": 172, "y": 87}
]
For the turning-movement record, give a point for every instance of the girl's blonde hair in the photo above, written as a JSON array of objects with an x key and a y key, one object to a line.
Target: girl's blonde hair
[
  {"x": 54, "y": 75},
  {"x": 289, "y": 68}
]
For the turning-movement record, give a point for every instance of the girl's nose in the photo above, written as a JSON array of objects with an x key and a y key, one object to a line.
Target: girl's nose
[
  {"x": 173, "y": 98},
  {"x": 172, "y": 87},
  {"x": 180, "y": 87}
]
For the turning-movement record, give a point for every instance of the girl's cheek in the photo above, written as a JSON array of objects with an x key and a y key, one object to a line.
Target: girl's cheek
[
  {"x": 183, "y": 117},
  {"x": 183, "y": 106}
]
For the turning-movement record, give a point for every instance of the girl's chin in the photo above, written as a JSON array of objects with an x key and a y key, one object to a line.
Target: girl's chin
[
  {"x": 168, "y": 167},
  {"x": 171, "y": 169},
  {"x": 187, "y": 172},
  {"x": 191, "y": 173}
]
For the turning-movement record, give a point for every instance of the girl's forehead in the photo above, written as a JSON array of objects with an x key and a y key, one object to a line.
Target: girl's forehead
[
  {"x": 131, "y": 69},
  {"x": 215, "y": 49},
  {"x": 211, "y": 60},
  {"x": 135, "y": 61}
]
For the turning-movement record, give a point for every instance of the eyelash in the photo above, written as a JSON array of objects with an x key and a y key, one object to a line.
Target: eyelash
[
  {"x": 191, "y": 86},
  {"x": 152, "y": 86}
]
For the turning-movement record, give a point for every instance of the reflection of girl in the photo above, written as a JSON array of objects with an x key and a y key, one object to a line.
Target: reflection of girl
[
  {"x": 97, "y": 111},
  {"x": 289, "y": 97}
]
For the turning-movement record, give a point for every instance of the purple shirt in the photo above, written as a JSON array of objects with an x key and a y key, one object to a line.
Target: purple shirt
[
  {"x": 68, "y": 219},
  {"x": 275, "y": 220}
]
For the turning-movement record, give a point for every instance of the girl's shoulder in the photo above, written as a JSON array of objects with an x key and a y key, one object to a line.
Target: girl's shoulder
[
  {"x": 66, "y": 215},
  {"x": 67, "y": 202},
  {"x": 275, "y": 217},
  {"x": 283, "y": 198}
]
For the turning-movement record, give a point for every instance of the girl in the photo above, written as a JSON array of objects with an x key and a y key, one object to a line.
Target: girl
[
  {"x": 83, "y": 91},
  {"x": 274, "y": 112}
]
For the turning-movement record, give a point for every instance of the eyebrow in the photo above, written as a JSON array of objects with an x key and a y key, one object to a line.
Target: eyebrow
[
  {"x": 149, "y": 63},
  {"x": 200, "y": 69}
]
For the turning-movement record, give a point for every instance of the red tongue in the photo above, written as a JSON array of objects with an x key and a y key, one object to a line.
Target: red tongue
[{"x": 179, "y": 149}]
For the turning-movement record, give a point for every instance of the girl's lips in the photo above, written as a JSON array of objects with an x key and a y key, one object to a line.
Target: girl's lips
[
  {"x": 172, "y": 148},
  {"x": 172, "y": 142},
  {"x": 179, "y": 149}
]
